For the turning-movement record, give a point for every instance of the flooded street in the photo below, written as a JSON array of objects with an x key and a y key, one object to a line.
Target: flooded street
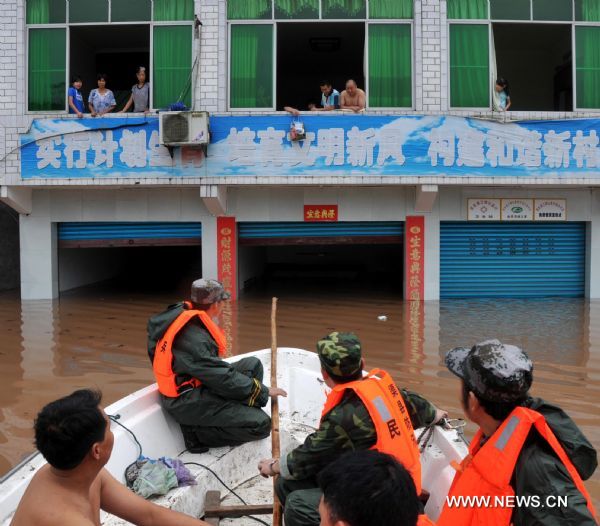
[{"x": 96, "y": 338}]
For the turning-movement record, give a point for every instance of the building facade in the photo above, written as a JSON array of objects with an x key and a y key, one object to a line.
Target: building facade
[{"x": 432, "y": 187}]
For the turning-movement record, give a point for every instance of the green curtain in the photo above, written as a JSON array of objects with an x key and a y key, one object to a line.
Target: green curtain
[
  {"x": 344, "y": 8},
  {"x": 248, "y": 9},
  {"x": 251, "y": 73},
  {"x": 173, "y": 10},
  {"x": 587, "y": 52},
  {"x": 390, "y": 79},
  {"x": 391, "y": 8},
  {"x": 171, "y": 76},
  {"x": 467, "y": 9},
  {"x": 469, "y": 66},
  {"x": 297, "y": 9},
  {"x": 47, "y": 88},
  {"x": 45, "y": 11},
  {"x": 587, "y": 10}
]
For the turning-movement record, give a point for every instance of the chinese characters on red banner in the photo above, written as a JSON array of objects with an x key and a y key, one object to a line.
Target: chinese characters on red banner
[
  {"x": 320, "y": 212},
  {"x": 226, "y": 254},
  {"x": 414, "y": 261}
]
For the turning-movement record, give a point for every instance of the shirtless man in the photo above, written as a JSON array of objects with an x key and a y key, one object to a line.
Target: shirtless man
[
  {"x": 353, "y": 98},
  {"x": 73, "y": 434}
]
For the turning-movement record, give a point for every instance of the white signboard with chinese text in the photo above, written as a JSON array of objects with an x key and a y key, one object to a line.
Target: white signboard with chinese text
[
  {"x": 516, "y": 209},
  {"x": 550, "y": 210},
  {"x": 483, "y": 209}
]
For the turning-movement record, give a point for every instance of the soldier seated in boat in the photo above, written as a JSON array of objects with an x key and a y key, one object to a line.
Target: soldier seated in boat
[
  {"x": 74, "y": 436},
  {"x": 392, "y": 496},
  {"x": 525, "y": 448},
  {"x": 361, "y": 412},
  {"x": 215, "y": 402}
]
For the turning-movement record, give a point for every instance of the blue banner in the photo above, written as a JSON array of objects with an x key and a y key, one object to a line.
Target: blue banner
[{"x": 340, "y": 145}]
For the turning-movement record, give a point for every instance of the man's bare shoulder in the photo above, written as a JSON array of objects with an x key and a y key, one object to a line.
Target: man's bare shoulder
[{"x": 47, "y": 503}]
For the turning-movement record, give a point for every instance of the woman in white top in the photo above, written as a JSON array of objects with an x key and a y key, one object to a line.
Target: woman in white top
[{"x": 101, "y": 100}]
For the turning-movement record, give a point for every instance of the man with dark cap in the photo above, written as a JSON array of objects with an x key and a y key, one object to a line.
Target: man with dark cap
[
  {"x": 361, "y": 412},
  {"x": 528, "y": 458},
  {"x": 215, "y": 402}
]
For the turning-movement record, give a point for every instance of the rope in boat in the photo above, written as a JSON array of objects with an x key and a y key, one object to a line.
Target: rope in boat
[
  {"x": 115, "y": 419},
  {"x": 427, "y": 433}
]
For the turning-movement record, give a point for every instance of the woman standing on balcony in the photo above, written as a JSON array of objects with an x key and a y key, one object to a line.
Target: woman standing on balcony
[{"x": 101, "y": 100}]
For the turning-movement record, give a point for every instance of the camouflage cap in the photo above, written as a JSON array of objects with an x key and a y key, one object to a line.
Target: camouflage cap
[
  {"x": 492, "y": 370},
  {"x": 340, "y": 354},
  {"x": 207, "y": 291}
]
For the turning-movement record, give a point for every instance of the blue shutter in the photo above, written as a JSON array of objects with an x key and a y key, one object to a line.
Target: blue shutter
[
  {"x": 351, "y": 232},
  {"x": 512, "y": 260},
  {"x": 83, "y": 235}
]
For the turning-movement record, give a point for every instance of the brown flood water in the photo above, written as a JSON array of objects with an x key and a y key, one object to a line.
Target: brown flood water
[{"x": 94, "y": 337}]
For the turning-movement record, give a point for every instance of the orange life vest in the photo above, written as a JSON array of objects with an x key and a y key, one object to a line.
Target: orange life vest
[
  {"x": 424, "y": 520},
  {"x": 163, "y": 354},
  {"x": 488, "y": 469},
  {"x": 384, "y": 402}
]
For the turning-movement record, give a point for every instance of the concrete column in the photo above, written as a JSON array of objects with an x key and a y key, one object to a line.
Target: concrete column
[
  {"x": 432, "y": 255},
  {"x": 39, "y": 258},
  {"x": 593, "y": 249},
  {"x": 209, "y": 247}
]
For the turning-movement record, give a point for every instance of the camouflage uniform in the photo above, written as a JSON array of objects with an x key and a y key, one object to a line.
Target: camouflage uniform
[
  {"x": 347, "y": 427},
  {"x": 225, "y": 409},
  {"x": 504, "y": 373}
]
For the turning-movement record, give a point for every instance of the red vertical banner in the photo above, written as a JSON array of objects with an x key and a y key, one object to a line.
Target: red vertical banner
[
  {"x": 227, "y": 254},
  {"x": 414, "y": 258}
]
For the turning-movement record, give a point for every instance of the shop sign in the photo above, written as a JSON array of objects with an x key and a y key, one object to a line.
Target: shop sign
[
  {"x": 517, "y": 210},
  {"x": 414, "y": 261},
  {"x": 320, "y": 212},
  {"x": 550, "y": 210},
  {"x": 226, "y": 254},
  {"x": 483, "y": 210}
]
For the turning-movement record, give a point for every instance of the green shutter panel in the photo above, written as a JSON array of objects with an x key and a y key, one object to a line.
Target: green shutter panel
[
  {"x": 390, "y": 66},
  {"x": 172, "y": 72},
  {"x": 47, "y": 90},
  {"x": 251, "y": 74},
  {"x": 587, "y": 46},
  {"x": 469, "y": 66}
]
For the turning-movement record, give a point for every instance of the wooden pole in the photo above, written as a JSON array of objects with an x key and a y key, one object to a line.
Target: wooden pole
[{"x": 277, "y": 511}]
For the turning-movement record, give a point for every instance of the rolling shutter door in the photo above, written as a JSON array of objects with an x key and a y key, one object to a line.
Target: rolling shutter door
[
  {"x": 127, "y": 234},
  {"x": 479, "y": 260},
  {"x": 306, "y": 233}
]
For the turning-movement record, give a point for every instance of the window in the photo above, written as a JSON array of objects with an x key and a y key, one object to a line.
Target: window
[
  {"x": 390, "y": 82},
  {"x": 47, "y": 66},
  {"x": 87, "y": 37},
  {"x": 469, "y": 66},
  {"x": 281, "y": 50},
  {"x": 588, "y": 66},
  {"x": 548, "y": 51},
  {"x": 251, "y": 74}
]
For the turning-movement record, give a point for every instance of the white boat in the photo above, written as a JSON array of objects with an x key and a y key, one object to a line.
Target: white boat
[{"x": 299, "y": 374}]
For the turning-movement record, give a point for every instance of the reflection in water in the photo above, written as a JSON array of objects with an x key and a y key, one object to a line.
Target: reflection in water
[{"x": 95, "y": 337}]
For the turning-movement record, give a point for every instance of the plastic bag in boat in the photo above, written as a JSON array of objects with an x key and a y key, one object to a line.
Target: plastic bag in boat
[
  {"x": 184, "y": 475},
  {"x": 155, "y": 478}
]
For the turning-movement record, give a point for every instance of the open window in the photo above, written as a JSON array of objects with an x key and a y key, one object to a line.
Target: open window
[
  {"x": 113, "y": 50},
  {"x": 537, "y": 61}
]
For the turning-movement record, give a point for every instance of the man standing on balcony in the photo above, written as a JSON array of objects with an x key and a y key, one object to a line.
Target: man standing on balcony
[
  {"x": 216, "y": 403},
  {"x": 353, "y": 98},
  {"x": 330, "y": 98}
]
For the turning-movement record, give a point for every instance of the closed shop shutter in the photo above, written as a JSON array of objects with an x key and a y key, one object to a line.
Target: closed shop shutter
[
  {"x": 123, "y": 234},
  {"x": 479, "y": 260}
]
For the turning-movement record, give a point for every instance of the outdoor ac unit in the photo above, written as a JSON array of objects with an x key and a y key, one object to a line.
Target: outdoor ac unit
[{"x": 180, "y": 128}]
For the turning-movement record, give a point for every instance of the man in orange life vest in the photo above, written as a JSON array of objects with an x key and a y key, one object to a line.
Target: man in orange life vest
[
  {"x": 360, "y": 413},
  {"x": 369, "y": 488},
  {"x": 527, "y": 453},
  {"x": 216, "y": 403}
]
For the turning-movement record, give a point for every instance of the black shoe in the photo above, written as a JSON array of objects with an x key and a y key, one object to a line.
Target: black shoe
[{"x": 192, "y": 444}]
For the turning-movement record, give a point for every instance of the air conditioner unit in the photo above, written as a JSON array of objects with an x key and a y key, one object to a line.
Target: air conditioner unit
[{"x": 180, "y": 128}]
